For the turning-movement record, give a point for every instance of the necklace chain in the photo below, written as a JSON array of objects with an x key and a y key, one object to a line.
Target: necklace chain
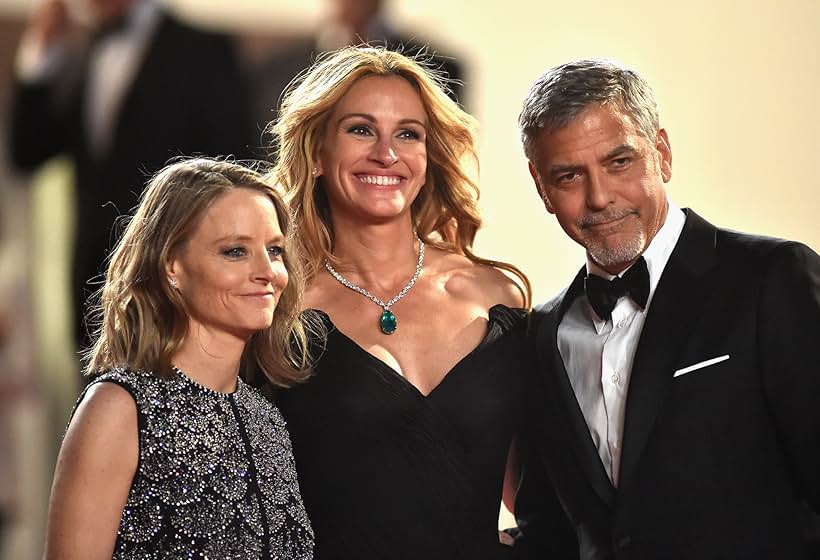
[{"x": 348, "y": 284}]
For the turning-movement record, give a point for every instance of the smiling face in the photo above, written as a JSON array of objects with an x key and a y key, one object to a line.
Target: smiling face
[
  {"x": 373, "y": 154},
  {"x": 230, "y": 271},
  {"x": 603, "y": 180}
]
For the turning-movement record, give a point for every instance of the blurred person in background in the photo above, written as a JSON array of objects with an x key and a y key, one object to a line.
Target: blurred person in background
[
  {"x": 402, "y": 434},
  {"x": 345, "y": 23},
  {"x": 18, "y": 383},
  {"x": 169, "y": 453},
  {"x": 142, "y": 88}
]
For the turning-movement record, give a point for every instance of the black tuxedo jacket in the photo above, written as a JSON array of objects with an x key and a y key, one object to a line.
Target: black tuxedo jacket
[
  {"x": 717, "y": 463},
  {"x": 188, "y": 96}
]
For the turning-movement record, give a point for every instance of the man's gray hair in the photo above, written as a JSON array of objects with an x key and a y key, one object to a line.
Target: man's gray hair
[{"x": 564, "y": 92}]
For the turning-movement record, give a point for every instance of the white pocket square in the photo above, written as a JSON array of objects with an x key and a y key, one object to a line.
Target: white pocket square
[{"x": 699, "y": 365}]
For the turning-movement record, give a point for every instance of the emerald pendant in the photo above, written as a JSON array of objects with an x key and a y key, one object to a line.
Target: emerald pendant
[{"x": 387, "y": 322}]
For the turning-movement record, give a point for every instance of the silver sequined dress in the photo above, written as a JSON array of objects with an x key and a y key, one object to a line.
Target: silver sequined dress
[{"x": 216, "y": 477}]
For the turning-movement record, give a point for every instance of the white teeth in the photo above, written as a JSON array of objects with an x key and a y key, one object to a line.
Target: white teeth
[{"x": 381, "y": 180}]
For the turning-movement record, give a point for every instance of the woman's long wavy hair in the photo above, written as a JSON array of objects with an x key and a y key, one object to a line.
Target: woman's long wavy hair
[
  {"x": 140, "y": 320},
  {"x": 445, "y": 213}
]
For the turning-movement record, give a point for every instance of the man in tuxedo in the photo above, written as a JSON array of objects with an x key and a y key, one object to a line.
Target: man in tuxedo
[
  {"x": 143, "y": 89},
  {"x": 675, "y": 406}
]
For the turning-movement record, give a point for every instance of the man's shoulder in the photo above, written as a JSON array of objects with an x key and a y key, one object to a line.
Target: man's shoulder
[
  {"x": 739, "y": 254},
  {"x": 737, "y": 248},
  {"x": 757, "y": 249},
  {"x": 552, "y": 304},
  {"x": 730, "y": 239}
]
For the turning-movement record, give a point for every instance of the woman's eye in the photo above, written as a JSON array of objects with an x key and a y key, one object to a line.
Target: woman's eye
[
  {"x": 360, "y": 130},
  {"x": 234, "y": 252},
  {"x": 276, "y": 251},
  {"x": 409, "y": 135}
]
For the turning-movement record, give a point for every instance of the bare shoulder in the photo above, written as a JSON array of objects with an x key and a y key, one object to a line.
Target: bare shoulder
[
  {"x": 106, "y": 398},
  {"x": 106, "y": 411},
  {"x": 95, "y": 467},
  {"x": 500, "y": 286},
  {"x": 319, "y": 293},
  {"x": 483, "y": 284}
]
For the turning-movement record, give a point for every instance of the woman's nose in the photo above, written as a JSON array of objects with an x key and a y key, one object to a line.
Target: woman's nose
[{"x": 385, "y": 153}]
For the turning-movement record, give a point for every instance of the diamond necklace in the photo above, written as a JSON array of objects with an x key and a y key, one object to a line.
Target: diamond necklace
[{"x": 387, "y": 321}]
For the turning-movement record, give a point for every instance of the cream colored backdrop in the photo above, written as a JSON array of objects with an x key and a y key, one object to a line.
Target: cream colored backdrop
[{"x": 737, "y": 82}]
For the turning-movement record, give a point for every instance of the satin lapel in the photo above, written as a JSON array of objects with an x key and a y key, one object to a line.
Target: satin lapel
[
  {"x": 152, "y": 69},
  {"x": 560, "y": 392},
  {"x": 675, "y": 307},
  {"x": 75, "y": 97}
]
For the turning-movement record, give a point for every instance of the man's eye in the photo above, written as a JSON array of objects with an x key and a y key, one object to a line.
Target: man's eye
[
  {"x": 566, "y": 178},
  {"x": 620, "y": 162}
]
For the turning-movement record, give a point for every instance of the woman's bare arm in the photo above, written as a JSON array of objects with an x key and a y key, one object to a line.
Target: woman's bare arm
[{"x": 95, "y": 468}]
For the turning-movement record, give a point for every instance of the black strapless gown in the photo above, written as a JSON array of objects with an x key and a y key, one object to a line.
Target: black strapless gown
[{"x": 387, "y": 473}]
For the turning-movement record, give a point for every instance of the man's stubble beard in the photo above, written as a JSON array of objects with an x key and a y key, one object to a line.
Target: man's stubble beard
[{"x": 612, "y": 257}]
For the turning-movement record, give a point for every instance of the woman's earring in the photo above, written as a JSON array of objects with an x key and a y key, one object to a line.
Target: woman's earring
[
  {"x": 315, "y": 171},
  {"x": 173, "y": 282}
]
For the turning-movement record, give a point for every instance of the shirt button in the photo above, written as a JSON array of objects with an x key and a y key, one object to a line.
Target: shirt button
[
  {"x": 620, "y": 324},
  {"x": 616, "y": 378}
]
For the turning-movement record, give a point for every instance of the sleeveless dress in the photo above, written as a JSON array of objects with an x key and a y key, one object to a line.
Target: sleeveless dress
[
  {"x": 389, "y": 473},
  {"x": 215, "y": 478}
]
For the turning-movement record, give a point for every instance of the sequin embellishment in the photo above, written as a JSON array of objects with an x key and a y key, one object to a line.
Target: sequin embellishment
[{"x": 216, "y": 476}]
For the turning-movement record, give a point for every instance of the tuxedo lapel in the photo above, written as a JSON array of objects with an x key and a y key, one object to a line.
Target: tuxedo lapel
[
  {"x": 139, "y": 101},
  {"x": 559, "y": 391},
  {"x": 675, "y": 307}
]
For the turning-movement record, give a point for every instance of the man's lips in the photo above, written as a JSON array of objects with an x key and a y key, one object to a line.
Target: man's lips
[{"x": 604, "y": 222}]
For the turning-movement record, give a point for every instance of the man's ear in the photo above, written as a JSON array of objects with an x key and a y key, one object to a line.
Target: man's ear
[
  {"x": 665, "y": 151},
  {"x": 542, "y": 192}
]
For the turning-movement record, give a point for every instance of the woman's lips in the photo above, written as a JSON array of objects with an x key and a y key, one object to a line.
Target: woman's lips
[{"x": 380, "y": 180}]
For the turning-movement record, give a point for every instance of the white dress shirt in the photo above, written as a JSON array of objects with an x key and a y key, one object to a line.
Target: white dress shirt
[
  {"x": 114, "y": 64},
  {"x": 598, "y": 355}
]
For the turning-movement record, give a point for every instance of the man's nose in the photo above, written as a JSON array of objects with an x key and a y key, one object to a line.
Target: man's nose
[{"x": 598, "y": 192}]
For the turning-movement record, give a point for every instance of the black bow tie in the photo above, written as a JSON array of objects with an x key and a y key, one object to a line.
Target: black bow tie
[{"x": 603, "y": 294}]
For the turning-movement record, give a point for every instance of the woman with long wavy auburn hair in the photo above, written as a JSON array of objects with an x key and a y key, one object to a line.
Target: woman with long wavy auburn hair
[
  {"x": 402, "y": 435},
  {"x": 168, "y": 452}
]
